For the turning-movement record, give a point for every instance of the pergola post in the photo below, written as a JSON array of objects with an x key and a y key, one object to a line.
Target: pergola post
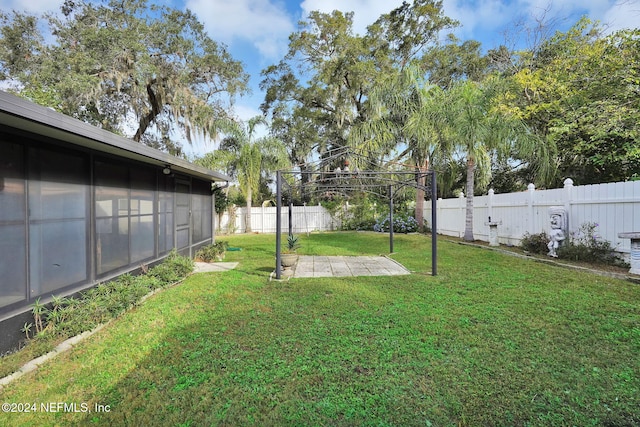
[
  {"x": 434, "y": 234},
  {"x": 278, "y": 222},
  {"x": 291, "y": 216},
  {"x": 391, "y": 219},
  {"x": 388, "y": 177}
]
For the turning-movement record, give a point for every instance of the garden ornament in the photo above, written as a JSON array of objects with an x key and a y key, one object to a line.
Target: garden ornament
[{"x": 558, "y": 219}]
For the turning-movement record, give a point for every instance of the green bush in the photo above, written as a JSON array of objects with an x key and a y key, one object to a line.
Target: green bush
[
  {"x": 586, "y": 245},
  {"x": 173, "y": 269},
  {"x": 66, "y": 317},
  {"x": 401, "y": 224},
  {"x": 583, "y": 245},
  {"x": 535, "y": 243},
  {"x": 213, "y": 252},
  {"x": 361, "y": 214},
  {"x": 358, "y": 224}
]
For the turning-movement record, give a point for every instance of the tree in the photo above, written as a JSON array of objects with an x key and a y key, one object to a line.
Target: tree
[
  {"x": 409, "y": 109},
  {"x": 405, "y": 116},
  {"x": 454, "y": 61},
  {"x": 247, "y": 158},
  {"x": 298, "y": 130},
  {"x": 580, "y": 93},
  {"x": 221, "y": 202},
  {"x": 115, "y": 60},
  {"x": 336, "y": 62},
  {"x": 329, "y": 71},
  {"x": 480, "y": 130}
]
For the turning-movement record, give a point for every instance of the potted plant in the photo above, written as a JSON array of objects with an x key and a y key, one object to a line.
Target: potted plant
[{"x": 288, "y": 258}]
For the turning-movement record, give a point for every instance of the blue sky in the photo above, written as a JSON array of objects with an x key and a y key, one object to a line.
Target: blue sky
[{"x": 256, "y": 31}]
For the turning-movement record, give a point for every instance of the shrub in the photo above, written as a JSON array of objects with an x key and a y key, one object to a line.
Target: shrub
[
  {"x": 401, "y": 224},
  {"x": 361, "y": 214},
  {"x": 586, "y": 245},
  {"x": 173, "y": 269},
  {"x": 358, "y": 224},
  {"x": 535, "y": 243},
  {"x": 66, "y": 317},
  {"x": 293, "y": 244},
  {"x": 213, "y": 252}
]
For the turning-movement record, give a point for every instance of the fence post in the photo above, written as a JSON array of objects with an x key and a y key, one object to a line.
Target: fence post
[
  {"x": 490, "y": 204},
  {"x": 531, "y": 201},
  {"x": 568, "y": 190}
]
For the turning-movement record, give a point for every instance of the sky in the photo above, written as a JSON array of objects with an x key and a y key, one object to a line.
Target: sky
[{"x": 256, "y": 31}]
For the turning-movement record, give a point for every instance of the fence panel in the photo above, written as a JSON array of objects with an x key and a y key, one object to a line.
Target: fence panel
[
  {"x": 450, "y": 216},
  {"x": 513, "y": 213},
  {"x": 304, "y": 219},
  {"x": 615, "y": 207}
]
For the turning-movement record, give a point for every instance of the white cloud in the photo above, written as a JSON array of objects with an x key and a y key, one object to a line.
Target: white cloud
[
  {"x": 245, "y": 112},
  {"x": 483, "y": 15},
  {"x": 490, "y": 21},
  {"x": 264, "y": 24},
  {"x": 625, "y": 14},
  {"x": 366, "y": 12}
]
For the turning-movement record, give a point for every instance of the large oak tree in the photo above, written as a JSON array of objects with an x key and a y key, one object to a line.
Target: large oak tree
[
  {"x": 128, "y": 66},
  {"x": 329, "y": 71}
]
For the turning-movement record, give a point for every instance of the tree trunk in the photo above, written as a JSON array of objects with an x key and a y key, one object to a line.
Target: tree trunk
[
  {"x": 420, "y": 195},
  {"x": 468, "y": 223},
  {"x": 247, "y": 218},
  {"x": 305, "y": 178},
  {"x": 148, "y": 118},
  {"x": 220, "y": 215}
]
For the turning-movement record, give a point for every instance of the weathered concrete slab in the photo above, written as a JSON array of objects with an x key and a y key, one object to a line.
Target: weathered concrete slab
[
  {"x": 206, "y": 267},
  {"x": 341, "y": 266}
]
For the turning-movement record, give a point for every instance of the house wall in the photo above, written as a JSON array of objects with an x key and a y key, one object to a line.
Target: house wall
[{"x": 72, "y": 217}]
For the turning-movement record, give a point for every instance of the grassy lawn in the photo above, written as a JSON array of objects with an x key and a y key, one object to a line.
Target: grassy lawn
[{"x": 492, "y": 340}]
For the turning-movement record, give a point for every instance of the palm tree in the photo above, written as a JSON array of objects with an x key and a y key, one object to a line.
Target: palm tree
[
  {"x": 463, "y": 121},
  {"x": 480, "y": 130},
  {"x": 247, "y": 158},
  {"x": 404, "y": 114}
]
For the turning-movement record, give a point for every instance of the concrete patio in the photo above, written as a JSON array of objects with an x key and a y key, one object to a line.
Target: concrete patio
[
  {"x": 341, "y": 266},
  {"x": 207, "y": 267}
]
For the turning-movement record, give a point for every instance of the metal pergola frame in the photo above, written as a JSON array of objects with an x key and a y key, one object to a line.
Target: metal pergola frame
[{"x": 363, "y": 181}]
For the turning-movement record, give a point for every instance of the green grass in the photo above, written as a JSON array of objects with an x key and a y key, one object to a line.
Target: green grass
[{"x": 492, "y": 340}]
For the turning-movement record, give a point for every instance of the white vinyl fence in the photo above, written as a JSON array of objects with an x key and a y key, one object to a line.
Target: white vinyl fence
[
  {"x": 305, "y": 219},
  {"x": 615, "y": 207}
]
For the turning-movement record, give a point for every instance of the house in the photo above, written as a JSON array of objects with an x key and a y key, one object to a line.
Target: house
[{"x": 80, "y": 205}]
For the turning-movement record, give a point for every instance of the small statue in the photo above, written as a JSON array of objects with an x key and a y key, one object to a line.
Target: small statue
[{"x": 557, "y": 234}]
